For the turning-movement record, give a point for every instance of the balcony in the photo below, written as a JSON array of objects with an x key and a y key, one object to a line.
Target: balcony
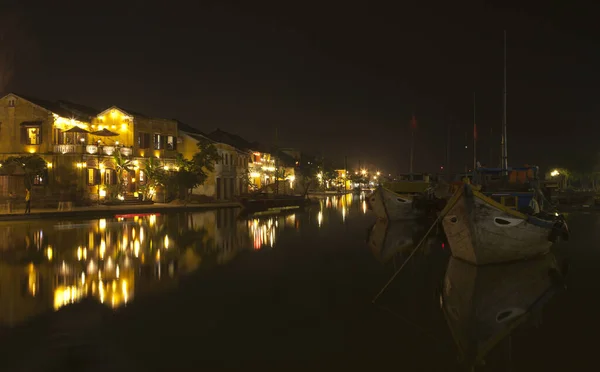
[
  {"x": 68, "y": 149},
  {"x": 109, "y": 150}
]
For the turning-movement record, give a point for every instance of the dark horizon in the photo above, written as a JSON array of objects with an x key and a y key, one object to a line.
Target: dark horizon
[{"x": 336, "y": 80}]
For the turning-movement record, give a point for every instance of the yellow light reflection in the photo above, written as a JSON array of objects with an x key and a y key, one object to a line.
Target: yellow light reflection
[
  {"x": 49, "y": 253},
  {"x": 320, "y": 218},
  {"x": 166, "y": 242},
  {"x": 102, "y": 224}
]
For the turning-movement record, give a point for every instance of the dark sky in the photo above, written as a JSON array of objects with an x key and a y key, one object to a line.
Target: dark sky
[{"x": 341, "y": 78}]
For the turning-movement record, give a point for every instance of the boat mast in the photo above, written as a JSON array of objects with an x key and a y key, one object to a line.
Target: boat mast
[
  {"x": 504, "y": 139},
  {"x": 276, "y": 164},
  {"x": 474, "y": 136},
  {"x": 448, "y": 153},
  {"x": 413, "y": 124}
]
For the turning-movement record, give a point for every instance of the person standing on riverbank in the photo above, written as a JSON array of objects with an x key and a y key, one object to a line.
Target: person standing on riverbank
[{"x": 27, "y": 201}]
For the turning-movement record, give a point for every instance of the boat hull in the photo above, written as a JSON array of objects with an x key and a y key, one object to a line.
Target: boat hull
[
  {"x": 482, "y": 231},
  {"x": 388, "y": 205}
]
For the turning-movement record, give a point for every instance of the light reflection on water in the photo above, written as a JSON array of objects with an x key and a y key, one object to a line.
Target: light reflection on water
[{"x": 47, "y": 264}]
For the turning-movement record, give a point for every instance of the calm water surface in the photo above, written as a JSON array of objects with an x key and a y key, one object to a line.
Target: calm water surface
[{"x": 215, "y": 290}]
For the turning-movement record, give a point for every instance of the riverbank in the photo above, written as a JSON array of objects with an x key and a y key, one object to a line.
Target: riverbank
[{"x": 111, "y": 210}]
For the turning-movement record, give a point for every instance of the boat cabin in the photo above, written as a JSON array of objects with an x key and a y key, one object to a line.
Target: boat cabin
[
  {"x": 514, "y": 191},
  {"x": 411, "y": 183}
]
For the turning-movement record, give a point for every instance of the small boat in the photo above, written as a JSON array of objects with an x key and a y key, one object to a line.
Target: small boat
[
  {"x": 483, "y": 305},
  {"x": 388, "y": 205},
  {"x": 481, "y": 230},
  {"x": 272, "y": 203}
]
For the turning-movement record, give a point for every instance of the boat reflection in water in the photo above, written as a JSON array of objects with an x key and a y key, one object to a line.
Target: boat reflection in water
[
  {"x": 45, "y": 265},
  {"x": 388, "y": 239},
  {"x": 483, "y": 305}
]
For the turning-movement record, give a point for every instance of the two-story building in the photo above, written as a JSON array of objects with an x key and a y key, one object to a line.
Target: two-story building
[
  {"x": 121, "y": 135},
  {"x": 229, "y": 178},
  {"x": 85, "y": 147}
]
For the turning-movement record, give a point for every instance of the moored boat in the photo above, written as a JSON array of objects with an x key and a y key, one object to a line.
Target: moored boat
[
  {"x": 483, "y": 231},
  {"x": 391, "y": 206}
]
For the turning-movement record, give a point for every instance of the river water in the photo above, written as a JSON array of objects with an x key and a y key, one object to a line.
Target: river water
[{"x": 216, "y": 290}]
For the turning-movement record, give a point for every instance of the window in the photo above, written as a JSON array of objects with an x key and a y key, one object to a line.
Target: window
[
  {"x": 110, "y": 177},
  {"x": 93, "y": 176},
  {"x": 171, "y": 143},
  {"x": 11, "y": 102},
  {"x": 142, "y": 177},
  {"x": 38, "y": 180},
  {"x": 158, "y": 142},
  {"x": 31, "y": 135},
  {"x": 143, "y": 140}
]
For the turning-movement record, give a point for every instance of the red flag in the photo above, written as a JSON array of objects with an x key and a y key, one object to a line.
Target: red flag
[
  {"x": 413, "y": 122},
  {"x": 475, "y": 131}
]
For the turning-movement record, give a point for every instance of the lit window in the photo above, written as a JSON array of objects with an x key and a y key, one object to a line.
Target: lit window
[
  {"x": 38, "y": 180},
  {"x": 31, "y": 135},
  {"x": 171, "y": 143},
  {"x": 142, "y": 177},
  {"x": 157, "y": 142}
]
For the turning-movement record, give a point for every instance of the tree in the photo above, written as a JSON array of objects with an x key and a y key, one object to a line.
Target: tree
[
  {"x": 307, "y": 170},
  {"x": 122, "y": 165},
  {"x": 204, "y": 160},
  {"x": 32, "y": 166},
  {"x": 155, "y": 176}
]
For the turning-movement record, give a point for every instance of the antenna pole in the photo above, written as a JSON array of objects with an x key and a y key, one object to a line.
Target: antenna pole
[{"x": 504, "y": 138}]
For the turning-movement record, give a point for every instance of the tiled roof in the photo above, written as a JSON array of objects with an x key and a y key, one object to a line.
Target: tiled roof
[
  {"x": 231, "y": 139},
  {"x": 188, "y": 129},
  {"x": 56, "y": 108}
]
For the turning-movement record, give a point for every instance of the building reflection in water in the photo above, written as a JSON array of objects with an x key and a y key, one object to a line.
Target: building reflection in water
[
  {"x": 47, "y": 264},
  {"x": 343, "y": 204}
]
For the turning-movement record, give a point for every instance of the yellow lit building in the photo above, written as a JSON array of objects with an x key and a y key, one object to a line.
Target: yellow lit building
[
  {"x": 66, "y": 135},
  {"x": 228, "y": 180}
]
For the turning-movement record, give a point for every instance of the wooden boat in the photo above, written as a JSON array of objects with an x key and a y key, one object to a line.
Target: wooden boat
[
  {"x": 483, "y": 305},
  {"x": 387, "y": 239},
  {"x": 388, "y": 205},
  {"x": 271, "y": 203},
  {"x": 483, "y": 231}
]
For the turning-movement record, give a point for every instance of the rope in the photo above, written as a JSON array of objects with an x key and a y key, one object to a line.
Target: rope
[{"x": 406, "y": 261}]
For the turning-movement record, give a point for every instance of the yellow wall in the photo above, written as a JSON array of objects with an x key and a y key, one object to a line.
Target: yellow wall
[{"x": 11, "y": 118}]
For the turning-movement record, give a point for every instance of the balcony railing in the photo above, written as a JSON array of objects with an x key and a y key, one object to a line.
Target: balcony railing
[
  {"x": 109, "y": 150},
  {"x": 68, "y": 149}
]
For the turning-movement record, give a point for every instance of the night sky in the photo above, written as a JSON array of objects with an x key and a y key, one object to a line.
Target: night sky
[{"x": 337, "y": 78}]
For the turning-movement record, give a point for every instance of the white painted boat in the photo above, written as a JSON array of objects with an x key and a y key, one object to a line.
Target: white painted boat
[
  {"x": 483, "y": 305},
  {"x": 390, "y": 206},
  {"x": 482, "y": 231}
]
